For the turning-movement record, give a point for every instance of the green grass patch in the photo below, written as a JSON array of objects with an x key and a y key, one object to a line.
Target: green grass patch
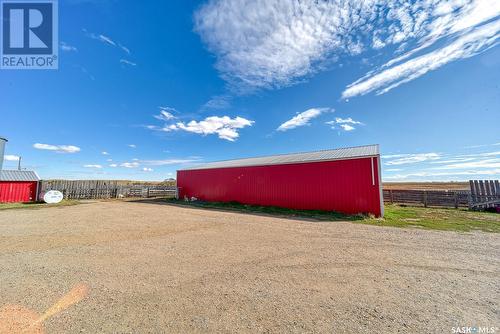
[
  {"x": 395, "y": 216},
  {"x": 438, "y": 219},
  {"x": 35, "y": 205}
]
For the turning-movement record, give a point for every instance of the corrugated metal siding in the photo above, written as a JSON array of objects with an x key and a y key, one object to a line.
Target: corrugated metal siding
[
  {"x": 326, "y": 155},
  {"x": 347, "y": 186},
  {"x": 18, "y": 175},
  {"x": 17, "y": 191}
]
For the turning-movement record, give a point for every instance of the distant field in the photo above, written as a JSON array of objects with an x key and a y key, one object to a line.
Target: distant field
[{"x": 427, "y": 185}]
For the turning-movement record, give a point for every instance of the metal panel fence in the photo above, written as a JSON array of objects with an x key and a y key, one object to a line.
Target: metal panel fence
[
  {"x": 102, "y": 189},
  {"x": 484, "y": 194}
]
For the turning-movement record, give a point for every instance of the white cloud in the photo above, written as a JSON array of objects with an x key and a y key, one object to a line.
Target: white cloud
[
  {"x": 132, "y": 145},
  {"x": 225, "y": 127},
  {"x": 345, "y": 124},
  {"x": 146, "y": 169},
  {"x": 104, "y": 153},
  {"x": 302, "y": 118},
  {"x": 93, "y": 166},
  {"x": 347, "y": 127},
  {"x": 413, "y": 158},
  {"x": 275, "y": 43},
  {"x": 68, "y": 48},
  {"x": 113, "y": 165},
  {"x": 9, "y": 157},
  {"x": 57, "y": 148},
  {"x": 349, "y": 120},
  {"x": 127, "y": 62}
]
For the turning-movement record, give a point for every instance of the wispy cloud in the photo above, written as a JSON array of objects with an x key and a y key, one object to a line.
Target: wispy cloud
[
  {"x": 127, "y": 50},
  {"x": 442, "y": 175},
  {"x": 106, "y": 40},
  {"x": 276, "y": 43},
  {"x": 303, "y": 118},
  {"x": 127, "y": 62},
  {"x": 218, "y": 102},
  {"x": 166, "y": 162},
  {"x": 442, "y": 166},
  {"x": 133, "y": 164},
  {"x": 93, "y": 166},
  {"x": 405, "y": 159},
  {"x": 486, "y": 163},
  {"x": 104, "y": 153},
  {"x": 463, "y": 47},
  {"x": 9, "y": 157},
  {"x": 147, "y": 169},
  {"x": 132, "y": 145},
  {"x": 166, "y": 114},
  {"x": 57, "y": 148},
  {"x": 68, "y": 48}
]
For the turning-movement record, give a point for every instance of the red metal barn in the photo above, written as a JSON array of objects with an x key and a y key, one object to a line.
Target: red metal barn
[
  {"x": 18, "y": 186},
  {"x": 344, "y": 180}
]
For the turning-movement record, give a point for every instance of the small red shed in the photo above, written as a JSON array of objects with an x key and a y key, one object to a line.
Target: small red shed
[
  {"x": 18, "y": 186},
  {"x": 344, "y": 180}
]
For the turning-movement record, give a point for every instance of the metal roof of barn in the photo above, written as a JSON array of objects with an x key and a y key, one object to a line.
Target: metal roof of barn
[
  {"x": 317, "y": 156},
  {"x": 18, "y": 175}
]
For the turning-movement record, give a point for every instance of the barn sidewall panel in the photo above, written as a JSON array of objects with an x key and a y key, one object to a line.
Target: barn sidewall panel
[
  {"x": 11, "y": 192},
  {"x": 349, "y": 186}
]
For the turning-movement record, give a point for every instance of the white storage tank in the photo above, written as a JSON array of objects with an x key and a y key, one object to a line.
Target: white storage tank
[{"x": 2, "y": 150}]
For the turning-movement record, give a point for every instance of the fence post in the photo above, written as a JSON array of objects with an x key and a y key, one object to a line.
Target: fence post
[
  {"x": 425, "y": 198},
  {"x": 392, "y": 196},
  {"x": 456, "y": 199}
]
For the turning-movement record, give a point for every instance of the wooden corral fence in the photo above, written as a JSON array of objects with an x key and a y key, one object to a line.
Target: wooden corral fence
[
  {"x": 99, "y": 189},
  {"x": 484, "y": 194},
  {"x": 428, "y": 198}
]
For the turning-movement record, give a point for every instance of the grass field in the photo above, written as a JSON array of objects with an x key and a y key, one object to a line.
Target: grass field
[
  {"x": 427, "y": 185},
  {"x": 395, "y": 215}
]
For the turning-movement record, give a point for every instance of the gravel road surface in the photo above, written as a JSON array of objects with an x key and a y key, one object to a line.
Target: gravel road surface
[{"x": 145, "y": 267}]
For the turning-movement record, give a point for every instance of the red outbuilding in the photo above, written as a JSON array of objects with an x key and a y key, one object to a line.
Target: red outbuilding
[
  {"x": 18, "y": 186},
  {"x": 345, "y": 180}
]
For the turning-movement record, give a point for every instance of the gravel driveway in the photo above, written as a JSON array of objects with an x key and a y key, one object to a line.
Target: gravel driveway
[{"x": 153, "y": 268}]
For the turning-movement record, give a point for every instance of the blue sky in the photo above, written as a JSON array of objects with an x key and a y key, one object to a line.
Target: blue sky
[{"x": 147, "y": 87}]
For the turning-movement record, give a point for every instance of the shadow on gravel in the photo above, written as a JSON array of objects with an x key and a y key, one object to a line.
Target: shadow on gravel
[{"x": 267, "y": 211}]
